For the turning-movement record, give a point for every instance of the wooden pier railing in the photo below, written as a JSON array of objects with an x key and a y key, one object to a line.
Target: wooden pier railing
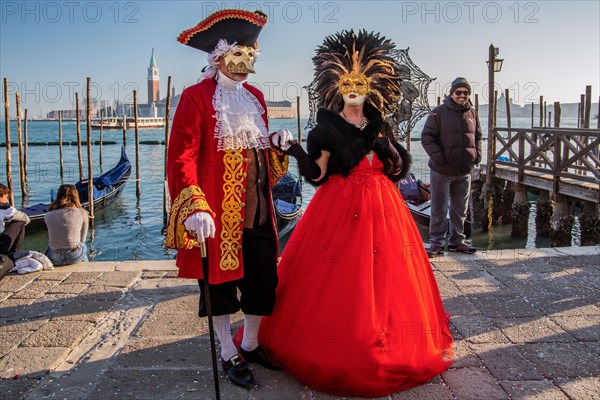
[{"x": 560, "y": 160}]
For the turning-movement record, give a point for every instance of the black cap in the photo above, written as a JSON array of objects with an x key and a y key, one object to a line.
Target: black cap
[
  {"x": 458, "y": 83},
  {"x": 240, "y": 26}
]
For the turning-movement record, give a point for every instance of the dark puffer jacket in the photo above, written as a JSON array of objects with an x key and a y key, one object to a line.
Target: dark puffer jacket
[{"x": 452, "y": 138}]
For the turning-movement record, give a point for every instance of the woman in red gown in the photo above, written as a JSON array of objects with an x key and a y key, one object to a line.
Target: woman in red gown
[{"x": 358, "y": 311}]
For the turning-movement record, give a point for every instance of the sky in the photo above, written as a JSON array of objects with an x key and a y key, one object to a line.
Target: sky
[{"x": 48, "y": 48}]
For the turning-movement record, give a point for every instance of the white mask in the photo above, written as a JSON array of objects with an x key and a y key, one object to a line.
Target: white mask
[{"x": 356, "y": 100}]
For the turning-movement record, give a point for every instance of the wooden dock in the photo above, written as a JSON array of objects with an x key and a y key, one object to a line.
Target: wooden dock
[{"x": 559, "y": 160}]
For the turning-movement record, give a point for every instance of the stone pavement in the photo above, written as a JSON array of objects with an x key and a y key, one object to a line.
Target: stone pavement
[{"x": 526, "y": 325}]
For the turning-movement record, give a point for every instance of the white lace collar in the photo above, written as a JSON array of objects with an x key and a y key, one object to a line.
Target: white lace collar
[{"x": 239, "y": 117}]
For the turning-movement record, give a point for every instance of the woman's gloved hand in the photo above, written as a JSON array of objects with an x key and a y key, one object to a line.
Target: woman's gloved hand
[
  {"x": 389, "y": 156},
  {"x": 307, "y": 167}
]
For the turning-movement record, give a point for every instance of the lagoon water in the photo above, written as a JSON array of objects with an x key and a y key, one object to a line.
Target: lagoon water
[{"x": 132, "y": 227}]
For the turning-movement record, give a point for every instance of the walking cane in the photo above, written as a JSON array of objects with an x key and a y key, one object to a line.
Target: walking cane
[{"x": 211, "y": 328}]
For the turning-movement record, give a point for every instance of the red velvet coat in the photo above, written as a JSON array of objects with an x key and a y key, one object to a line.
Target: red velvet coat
[{"x": 203, "y": 179}]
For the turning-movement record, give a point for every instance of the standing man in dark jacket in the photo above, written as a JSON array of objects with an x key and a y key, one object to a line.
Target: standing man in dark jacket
[{"x": 452, "y": 139}]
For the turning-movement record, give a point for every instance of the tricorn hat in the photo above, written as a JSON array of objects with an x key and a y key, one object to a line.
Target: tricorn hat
[{"x": 239, "y": 26}]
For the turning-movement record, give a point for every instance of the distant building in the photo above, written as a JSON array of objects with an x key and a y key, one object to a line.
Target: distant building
[
  {"x": 155, "y": 106},
  {"x": 67, "y": 114},
  {"x": 280, "y": 109}
]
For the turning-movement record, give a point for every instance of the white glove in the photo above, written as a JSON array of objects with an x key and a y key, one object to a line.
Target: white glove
[
  {"x": 282, "y": 139},
  {"x": 201, "y": 225}
]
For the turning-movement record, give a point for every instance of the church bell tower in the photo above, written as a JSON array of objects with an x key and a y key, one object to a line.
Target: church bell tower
[{"x": 153, "y": 81}]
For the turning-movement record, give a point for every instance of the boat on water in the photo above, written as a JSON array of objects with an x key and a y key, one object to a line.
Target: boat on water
[
  {"x": 287, "y": 201},
  {"x": 418, "y": 200},
  {"x": 128, "y": 122},
  {"x": 107, "y": 189}
]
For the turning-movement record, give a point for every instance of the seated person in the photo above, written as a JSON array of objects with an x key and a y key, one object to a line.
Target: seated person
[
  {"x": 67, "y": 224},
  {"x": 12, "y": 224}
]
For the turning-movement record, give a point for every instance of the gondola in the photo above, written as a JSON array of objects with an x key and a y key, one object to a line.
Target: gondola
[
  {"x": 107, "y": 188},
  {"x": 287, "y": 201},
  {"x": 418, "y": 199}
]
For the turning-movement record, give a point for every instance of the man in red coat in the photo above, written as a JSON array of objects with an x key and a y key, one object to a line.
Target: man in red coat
[{"x": 221, "y": 167}]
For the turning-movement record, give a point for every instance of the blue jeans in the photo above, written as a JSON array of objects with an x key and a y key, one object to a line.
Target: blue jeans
[
  {"x": 456, "y": 190},
  {"x": 68, "y": 257}
]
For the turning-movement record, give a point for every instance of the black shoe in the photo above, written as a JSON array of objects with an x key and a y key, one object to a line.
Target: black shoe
[
  {"x": 463, "y": 248},
  {"x": 258, "y": 356},
  {"x": 434, "y": 250},
  {"x": 237, "y": 371}
]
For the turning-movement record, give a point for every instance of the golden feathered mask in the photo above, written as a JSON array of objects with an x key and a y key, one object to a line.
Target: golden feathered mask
[{"x": 346, "y": 53}]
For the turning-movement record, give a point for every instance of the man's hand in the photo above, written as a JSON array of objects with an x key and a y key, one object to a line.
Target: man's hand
[
  {"x": 201, "y": 225},
  {"x": 282, "y": 139}
]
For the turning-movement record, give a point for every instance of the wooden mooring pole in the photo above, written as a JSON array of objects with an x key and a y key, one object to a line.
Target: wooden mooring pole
[
  {"x": 487, "y": 189},
  {"x": 101, "y": 138},
  {"x": 137, "y": 146},
  {"x": 589, "y": 224},
  {"x": 124, "y": 130},
  {"x": 78, "y": 136},
  {"x": 532, "y": 114},
  {"x": 88, "y": 126},
  {"x": 60, "y": 148},
  {"x": 544, "y": 208},
  {"x": 26, "y": 144},
  {"x": 7, "y": 134},
  {"x": 588, "y": 107},
  {"x": 408, "y": 131},
  {"x": 166, "y": 196},
  {"x": 561, "y": 222},
  {"x": 541, "y": 111},
  {"x": 514, "y": 196},
  {"x": 298, "y": 125},
  {"x": 507, "y": 100},
  {"x": 20, "y": 147},
  {"x": 495, "y": 120},
  {"x": 581, "y": 113}
]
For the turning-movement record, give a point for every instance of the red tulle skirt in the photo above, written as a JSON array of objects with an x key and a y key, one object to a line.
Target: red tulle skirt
[{"x": 358, "y": 311}]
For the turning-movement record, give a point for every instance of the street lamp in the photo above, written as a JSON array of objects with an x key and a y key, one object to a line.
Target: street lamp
[
  {"x": 498, "y": 62},
  {"x": 494, "y": 65}
]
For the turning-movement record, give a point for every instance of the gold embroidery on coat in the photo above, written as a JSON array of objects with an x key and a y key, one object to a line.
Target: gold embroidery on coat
[
  {"x": 231, "y": 233},
  {"x": 189, "y": 201},
  {"x": 278, "y": 167}
]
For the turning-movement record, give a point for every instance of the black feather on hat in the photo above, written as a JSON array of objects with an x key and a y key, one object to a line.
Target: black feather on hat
[{"x": 239, "y": 26}]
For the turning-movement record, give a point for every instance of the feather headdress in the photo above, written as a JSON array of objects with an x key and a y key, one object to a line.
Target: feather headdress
[{"x": 363, "y": 53}]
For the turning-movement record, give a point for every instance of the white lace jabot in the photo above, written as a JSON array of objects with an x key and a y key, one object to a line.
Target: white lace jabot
[{"x": 239, "y": 117}]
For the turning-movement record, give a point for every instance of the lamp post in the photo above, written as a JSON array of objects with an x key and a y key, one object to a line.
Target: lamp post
[{"x": 494, "y": 65}]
